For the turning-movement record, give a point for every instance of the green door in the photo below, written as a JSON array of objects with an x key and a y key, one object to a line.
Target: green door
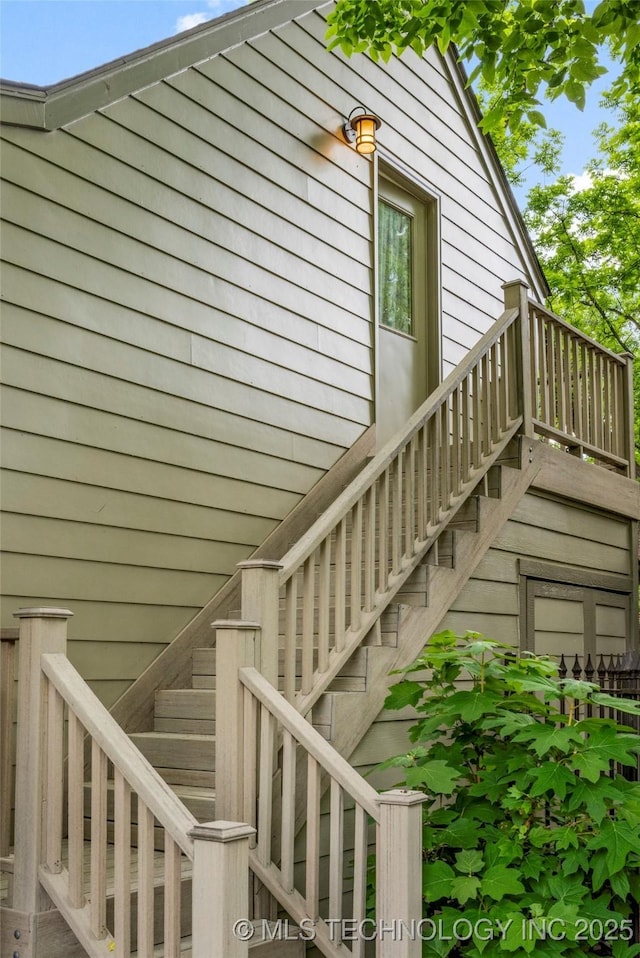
[{"x": 407, "y": 354}]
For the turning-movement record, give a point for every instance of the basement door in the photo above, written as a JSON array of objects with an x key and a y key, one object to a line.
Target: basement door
[
  {"x": 407, "y": 299},
  {"x": 561, "y": 617}
]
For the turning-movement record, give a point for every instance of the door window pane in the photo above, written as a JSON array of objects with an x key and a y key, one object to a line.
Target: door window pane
[{"x": 395, "y": 268}]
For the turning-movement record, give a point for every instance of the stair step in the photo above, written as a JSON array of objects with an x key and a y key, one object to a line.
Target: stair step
[
  {"x": 185, "y": 710},
  {"x": 468, "y": 516},
  {"x": 356, "y": 668},
  {"x": 200, "y": 800},
  {"x": 443, "y": 551},
  {"x": 414, "y": 591},
  {"x": 204, "y": 668},
  {"x": 182, "y": 759}
]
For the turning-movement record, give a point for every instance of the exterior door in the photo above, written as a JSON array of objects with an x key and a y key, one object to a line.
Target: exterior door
[
  {"x": 408, "y": 352},
  {"x": 561, "y": 614}
]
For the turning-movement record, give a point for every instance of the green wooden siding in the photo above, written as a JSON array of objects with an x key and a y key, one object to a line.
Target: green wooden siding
[{"x": 188, "y": 321}]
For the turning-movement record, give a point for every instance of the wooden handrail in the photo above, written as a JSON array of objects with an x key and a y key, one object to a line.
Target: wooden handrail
[
  {"x": 389, "y": 516},
  {"x": 306, "y": 761},
  {"x": 140, "y": 775},
  {"x": 312, "y": 742},
  {"x": 530, "y": 372},
  {"x": 57, "y": 712},
  {"x": 577, "y": 333},
  {"x": 305, "y": 546}
]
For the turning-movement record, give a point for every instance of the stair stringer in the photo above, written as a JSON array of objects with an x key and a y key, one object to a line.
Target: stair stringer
[{"x": 352, "y": 713}]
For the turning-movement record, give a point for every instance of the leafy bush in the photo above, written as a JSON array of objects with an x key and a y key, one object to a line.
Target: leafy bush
[{"x": 532, "y": 841}]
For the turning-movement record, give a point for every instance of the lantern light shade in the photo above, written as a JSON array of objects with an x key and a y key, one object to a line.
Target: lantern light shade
[{"x": 361, "y": 128}]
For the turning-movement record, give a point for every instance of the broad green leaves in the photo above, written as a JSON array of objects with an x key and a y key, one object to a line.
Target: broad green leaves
[
  {"x": 437, "y": 879},
  {"x": 601, "y": 746},
  {"x": 500, "y": 881},
  {"x": 526, "y": 47},
  {"x": 534, "y": 828},
  {"x": 436, "y": 777}
]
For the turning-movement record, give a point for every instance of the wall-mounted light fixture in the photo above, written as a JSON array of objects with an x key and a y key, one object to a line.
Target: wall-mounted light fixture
[{"x": 361, "y": 128}]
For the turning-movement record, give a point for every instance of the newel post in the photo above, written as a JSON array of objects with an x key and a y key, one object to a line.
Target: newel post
[
  {"x": 41, "y": 631},
  {"x": 261, "y": 603},
  {"x": 516, "y": 296},
  {"x": 236, "y": 648},
  {"x": 399, "y": 873},
  {"x": 220, "y": 904},
  {"x": 629, "y": 414}
]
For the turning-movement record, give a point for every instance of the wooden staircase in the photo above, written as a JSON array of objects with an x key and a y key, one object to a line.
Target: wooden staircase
[
  {"x": 303, "y": 672},
  {"x": 181, "y": 746},
  {"x": 413, "y": 524},
  {"x": 332, "y": 623}
]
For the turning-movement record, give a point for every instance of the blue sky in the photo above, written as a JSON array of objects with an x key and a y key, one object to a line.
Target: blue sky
[{"x": 44, "y": 41}]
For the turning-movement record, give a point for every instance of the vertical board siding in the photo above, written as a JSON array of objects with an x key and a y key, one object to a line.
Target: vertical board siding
[{"x": 188, "y": 321}]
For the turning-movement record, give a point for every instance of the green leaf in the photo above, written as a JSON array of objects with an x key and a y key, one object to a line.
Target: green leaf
[
  {"x": 618, "y": 839},
  {"x": 465, "y": 887},
  {"x": 437, "y": 879},
  {"x": 500, "y": 881},
  {"x": 567, "y": 891},
  {"x": 537, "y": 118},
  {"x": 404, "y": 693},
  {"x": 518, "y": 937},
  {"x": 604, "y": 744},
  {"x": 472, "y": 704},
  {"x": 565, "y": 837},
  {"x": 469, "y": 861},
  {"x": 622, "y": 949},
  {"x": 630, "y": 706},
  {"x": 621, "y": 885},
  {"x": 552, "y": 778},
  {"x": 594, "y": 797},
  {"x": 438, "y": 777},
  {"x": 575, "y": 92},
  {"x": 574, "y": 860},
  {"x": 462, "y": 833},
  {"x": 545, "y": 737}
]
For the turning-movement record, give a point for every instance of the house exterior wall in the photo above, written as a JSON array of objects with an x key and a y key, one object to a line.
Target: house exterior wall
[
  {"x": 188, "y": 320},
  {"x": 572, "y": 542}
]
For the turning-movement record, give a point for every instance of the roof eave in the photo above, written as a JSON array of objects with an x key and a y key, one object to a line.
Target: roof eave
[{"x": 49, "y": 108}]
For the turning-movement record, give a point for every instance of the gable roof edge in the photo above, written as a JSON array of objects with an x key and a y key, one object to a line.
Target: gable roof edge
[{"x": 50, "y": 107}]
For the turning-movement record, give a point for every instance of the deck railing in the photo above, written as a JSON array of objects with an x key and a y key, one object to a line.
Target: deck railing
[
  {"x": 531, "y": 372},
  {"x": 582, "y": 392},
  {"x": 332, "y": 586},
  {"x": 97, "y": 861},
  {"x": 273, "y": 767}
]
